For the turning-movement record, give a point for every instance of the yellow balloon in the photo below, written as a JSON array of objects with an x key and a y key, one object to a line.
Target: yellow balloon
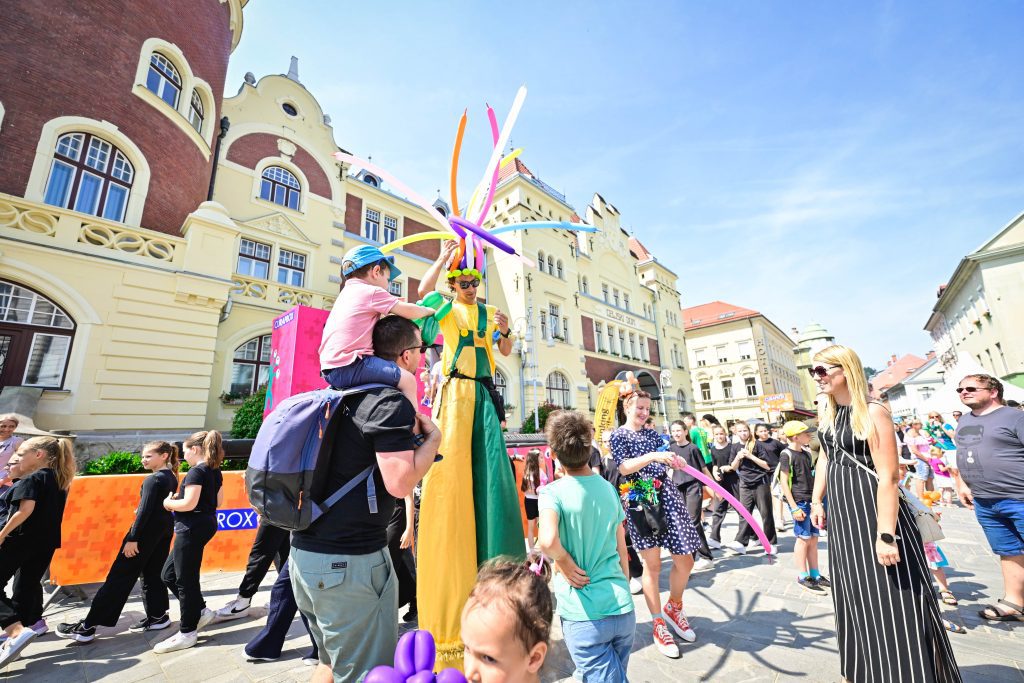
[
  {"x": 419, "y": 237},
  {"x": 511, "y": 155}
]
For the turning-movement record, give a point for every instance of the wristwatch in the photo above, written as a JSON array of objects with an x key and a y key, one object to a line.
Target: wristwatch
[
  {"x": 887, "y": 538},
  {"x": 506, "y": 335}
]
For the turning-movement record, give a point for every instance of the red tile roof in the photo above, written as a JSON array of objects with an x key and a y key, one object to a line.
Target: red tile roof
[
  {"x": 897, "y": 371},
  {"x": 714, "y": 313},
  {"x": 510, "y": 170},
  {"x": 574, "y": 218},
  {"x": 639, "y": 250}
]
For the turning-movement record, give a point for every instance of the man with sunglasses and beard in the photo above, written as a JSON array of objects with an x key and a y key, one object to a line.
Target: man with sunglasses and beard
[{"x": 990, "y": 459}]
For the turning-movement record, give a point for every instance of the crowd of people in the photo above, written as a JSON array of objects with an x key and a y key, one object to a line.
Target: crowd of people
[{"x": 603, "y": 512}]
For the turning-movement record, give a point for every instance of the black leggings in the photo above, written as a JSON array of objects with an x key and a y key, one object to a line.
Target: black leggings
[
  {"x": 693, "y": 495},
  {"x": 761, "y": 496},
  {"x": 124, "y": 572},
  {"x": 181, "y": 571},
  {"x": 270, "y": 546},
  {"x": 26, "y": 564},
  {"x": 720, "y": 506}
]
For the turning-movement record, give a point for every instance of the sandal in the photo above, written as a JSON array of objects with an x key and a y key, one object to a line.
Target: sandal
[
  {"x": 948, "y": 598},
  {"x": 953, "y": 627},
  {"x": 992, "y": 613}
]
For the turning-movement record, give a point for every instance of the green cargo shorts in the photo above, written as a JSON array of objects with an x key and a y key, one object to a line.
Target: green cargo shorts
[{"x": 351, "y": 602}]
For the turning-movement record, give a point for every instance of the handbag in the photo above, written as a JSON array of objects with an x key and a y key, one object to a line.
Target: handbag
[
  {"x": 648, "y": 518},
  {"x": 927, "y": 524}
]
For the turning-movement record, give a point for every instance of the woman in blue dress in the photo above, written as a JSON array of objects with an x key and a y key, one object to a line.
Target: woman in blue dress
[{"x": 638, "y": 455}]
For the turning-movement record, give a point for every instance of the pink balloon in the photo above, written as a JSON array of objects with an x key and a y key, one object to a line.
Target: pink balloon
[
  {"x": 495, "y": 134},
  {"x": 717, "y": 488}
]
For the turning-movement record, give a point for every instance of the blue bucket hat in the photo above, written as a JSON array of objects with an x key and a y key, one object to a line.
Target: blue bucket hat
[{"x": 365, "y": 255}]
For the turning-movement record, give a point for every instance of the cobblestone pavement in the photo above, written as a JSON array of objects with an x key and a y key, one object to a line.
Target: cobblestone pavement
[{"x": 753, "y": 623}]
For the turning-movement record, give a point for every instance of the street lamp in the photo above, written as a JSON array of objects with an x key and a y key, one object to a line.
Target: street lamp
[
  {"x": 665, "y": 382},
  {"x": 527, "y": 346}
]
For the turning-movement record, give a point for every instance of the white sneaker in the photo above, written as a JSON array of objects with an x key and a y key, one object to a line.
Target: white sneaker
[
  {"x": 703, "y": 565},
  {"x": 206, "y": 618},
  {"x": 737, "y": 547},
  {"x": 715, "y": 545},
  {"x": 179, "y": 641},
  {"x": 635, "y": 587},
  {"x": 236, "y": 609},
  {"x": 11, "y": 650},
  {"x": 311, "y": 661}
]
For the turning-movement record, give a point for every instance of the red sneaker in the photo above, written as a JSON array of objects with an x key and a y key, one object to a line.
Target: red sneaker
[
  {"x": 677, "y": 618},
  {"x": 663, "y": 639}
]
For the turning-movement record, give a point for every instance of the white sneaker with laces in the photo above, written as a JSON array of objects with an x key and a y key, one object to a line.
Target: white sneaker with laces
[
  {"x": 712, "y": 543},
  {"x": 703, "y": 565},
  {"x": 635, "y": 587},
  {"x": 179, "y": 641},
  {"x": 236, "y": 609}
]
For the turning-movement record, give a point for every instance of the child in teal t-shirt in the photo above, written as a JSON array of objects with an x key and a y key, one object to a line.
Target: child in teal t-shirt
[{"x": 581, "y": 531}]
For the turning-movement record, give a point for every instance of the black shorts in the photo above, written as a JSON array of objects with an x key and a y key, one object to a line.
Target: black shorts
[{"x": 531, "y": 508}]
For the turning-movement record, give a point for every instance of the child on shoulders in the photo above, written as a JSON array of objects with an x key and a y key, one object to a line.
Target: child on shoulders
[
  {"x": 581, "y": 531},
  {"x": 346, "y": 348},
  {"x": 796, "y": 477}
]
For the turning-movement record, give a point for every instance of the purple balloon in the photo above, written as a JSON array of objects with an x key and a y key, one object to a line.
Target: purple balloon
[
  {"x": 405, "y": 659},
  {"x": 383, "y": 674},
  {"x": 482, "y": 234},
  {"x": 421, "y": 677},
  {"x": 451, "y": 676},
  {"x": 424, "y": 651}
]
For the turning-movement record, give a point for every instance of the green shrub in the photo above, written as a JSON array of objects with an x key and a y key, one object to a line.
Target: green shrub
[
  {"x": 118, "y": 462},
  {"x": 249, "y": 416},
  {"x": 226, "y": 466},
  {"x": 541, "y": 413}
]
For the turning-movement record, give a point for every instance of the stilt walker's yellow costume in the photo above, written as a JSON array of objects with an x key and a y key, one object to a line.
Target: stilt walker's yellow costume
[{"x": 469, "y": 510}]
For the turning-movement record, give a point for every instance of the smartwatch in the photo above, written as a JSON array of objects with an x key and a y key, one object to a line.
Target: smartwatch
[{"x": 887, "y": 538}]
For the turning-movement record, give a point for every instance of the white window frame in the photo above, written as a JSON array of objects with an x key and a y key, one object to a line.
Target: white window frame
[
  {"x": 389, "y": 229},
  {"x": 290, "y": 263},
  {"x": 253, "y": 256},
  {"x": 371, "y": 224}
]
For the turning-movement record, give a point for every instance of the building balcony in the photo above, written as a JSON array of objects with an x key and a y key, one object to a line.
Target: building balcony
[
  {"x": 54, "y": 227},
  {"x": 275, "y": 294}
]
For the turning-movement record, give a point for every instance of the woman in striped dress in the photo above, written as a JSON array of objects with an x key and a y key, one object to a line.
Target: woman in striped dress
[{"x": 888, "y": 623}]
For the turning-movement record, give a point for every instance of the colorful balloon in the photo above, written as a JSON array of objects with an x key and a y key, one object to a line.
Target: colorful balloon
[
  {"x": 400, "y": 187},
  {"x": 506, "y": 132},
  {"x": 418, "y": 237},
  {"x": 494, "y": 176},
  {"x": 717, "y": 488},
  {"x": 456, "y": 151},
  {"x": 541, "y": 225},
  {"x": 482, "y": 234}
]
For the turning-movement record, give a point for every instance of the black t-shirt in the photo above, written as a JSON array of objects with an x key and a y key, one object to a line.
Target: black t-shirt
[
  {"x": 152, "y": 521},
  {"x": 752, "y": 474},
  {"x": 377, "y": 421},
  {"x": 210, "y": 480},
  {"x": 772, "y": 448},
  {"x": 43, "y": 525},
  {"x": 691, "y": 455},
  {"x": 803, "y": 473},
  {"x": 610, "y": 472},
  {"x": 722, "y": 456},
  {"x": 595, "y": 458}
]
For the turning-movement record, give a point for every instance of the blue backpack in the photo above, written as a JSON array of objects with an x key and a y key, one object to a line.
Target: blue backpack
[{"x": 292, "y": 451}]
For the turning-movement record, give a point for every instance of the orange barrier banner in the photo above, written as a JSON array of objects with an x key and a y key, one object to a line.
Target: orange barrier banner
[{"x": 100, "y": 510}]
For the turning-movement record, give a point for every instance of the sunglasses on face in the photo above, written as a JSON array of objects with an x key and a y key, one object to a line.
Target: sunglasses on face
[
  {"x": 820, "y": 371},
  {"x": 425, "y": 347},
  {"x": 961, "y": 390},
  {"x": 466, "y": 284}
]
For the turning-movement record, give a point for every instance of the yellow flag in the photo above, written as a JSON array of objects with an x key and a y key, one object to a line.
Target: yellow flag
[{"x": 607, "y": 400}]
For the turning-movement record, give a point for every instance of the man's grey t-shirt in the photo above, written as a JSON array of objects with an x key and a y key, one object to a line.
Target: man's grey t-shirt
[{"x": 990, "y": 453}]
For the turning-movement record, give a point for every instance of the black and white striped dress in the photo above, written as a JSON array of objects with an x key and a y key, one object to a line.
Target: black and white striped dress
[{"x": 888, "y": 622}]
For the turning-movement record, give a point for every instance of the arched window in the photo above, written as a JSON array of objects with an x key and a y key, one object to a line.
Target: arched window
[
  {"x": 541, "y": 263},
  {"x": 35, "y": 338},
  {"x": 586, "y": 285},
  {"x": 163, "y": 79},
  {"x": 371, "y": 180},
  {"x": 90, "y": 175},
  {"x": 681, "y": 401},
  {"x": 281, "y": 187},
  {"x": 559, "y": 269},
  {"x": 251, "y": 367},
  {"x": 551, "y": 265},
  {"x": 195, "y": 112},
  {"x": 501, "y": 384},
  {"x": 558, "y": 390}
]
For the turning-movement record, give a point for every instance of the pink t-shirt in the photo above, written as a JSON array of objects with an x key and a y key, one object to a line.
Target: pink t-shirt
[{"x": 348, "y": 334}]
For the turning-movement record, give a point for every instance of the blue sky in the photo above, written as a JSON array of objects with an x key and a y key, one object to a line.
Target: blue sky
[{"x": 826, "y": 162}]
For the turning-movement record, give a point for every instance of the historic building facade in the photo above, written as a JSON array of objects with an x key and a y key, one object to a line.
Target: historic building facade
[{"x": 737, "y": 357}]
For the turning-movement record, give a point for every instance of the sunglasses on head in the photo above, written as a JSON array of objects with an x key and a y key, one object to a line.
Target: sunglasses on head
[
  {"x": 820, "y": 371},
  {"x": 961, "y": 390},
  {"x": 466, "y": 284}
]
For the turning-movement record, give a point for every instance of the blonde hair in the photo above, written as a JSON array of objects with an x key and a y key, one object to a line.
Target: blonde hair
[
  {"x": 211, "y": 444},
  {"x": 165, "y": 448},
  {"x": 860, "y": 420},
  {"x": 10, "y": 417},
  {"x": 60, "y": 457}
]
